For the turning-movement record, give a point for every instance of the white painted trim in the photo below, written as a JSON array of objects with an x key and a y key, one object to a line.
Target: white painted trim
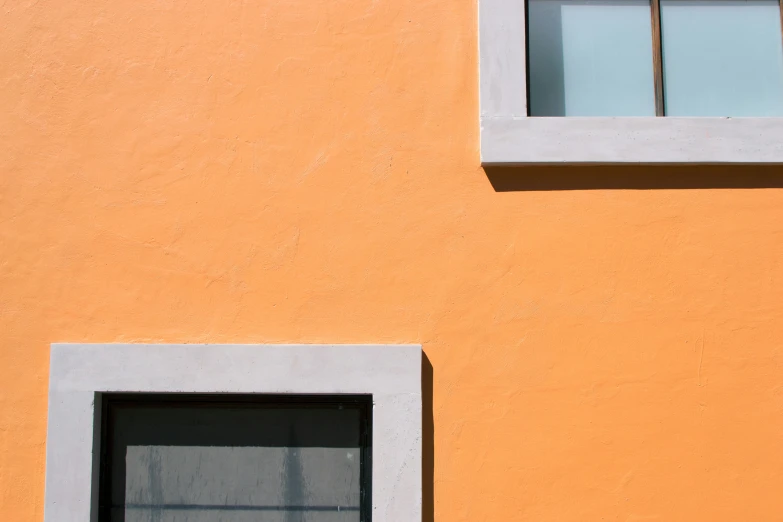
[
  {"x": 509, "y": 136},
  {"x": 502, "y": 59},
  {"x": 79, "y": 373}
]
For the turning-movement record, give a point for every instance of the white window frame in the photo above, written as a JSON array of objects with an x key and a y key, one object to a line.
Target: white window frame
[
  {"x": 80, "y": 373},
  {"x": 509, "y": 136}
]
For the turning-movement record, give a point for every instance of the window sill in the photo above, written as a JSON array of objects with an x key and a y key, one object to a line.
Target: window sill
[{"x": 670, "y": 140}]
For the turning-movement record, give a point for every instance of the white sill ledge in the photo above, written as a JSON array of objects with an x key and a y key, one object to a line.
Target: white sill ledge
[
  {"x": 509, "y": 137},
  {"x": 668, "y": 140}
]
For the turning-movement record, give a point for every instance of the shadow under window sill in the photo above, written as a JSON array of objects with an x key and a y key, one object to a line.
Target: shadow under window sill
[{"x": 633, "y": 177}]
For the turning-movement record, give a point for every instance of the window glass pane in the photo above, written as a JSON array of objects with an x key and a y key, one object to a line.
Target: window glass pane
[
  {"x": 722, "y": 57},
  {"x": 234, "y": 464},
  {"x": 590, "y": 58}
]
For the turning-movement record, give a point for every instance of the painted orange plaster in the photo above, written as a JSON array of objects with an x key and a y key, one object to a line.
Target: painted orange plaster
[{"x": 300, "y": 171}]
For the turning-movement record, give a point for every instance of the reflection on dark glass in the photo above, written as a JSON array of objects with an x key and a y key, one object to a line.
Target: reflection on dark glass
[{"x": 200, "y": 463}]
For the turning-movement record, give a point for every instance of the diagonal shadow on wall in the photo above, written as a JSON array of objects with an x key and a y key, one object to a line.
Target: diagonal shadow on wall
[{"x": 634, "y": 177}]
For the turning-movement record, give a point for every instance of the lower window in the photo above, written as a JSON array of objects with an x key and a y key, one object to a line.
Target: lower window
[{"x": 235, "y": 458}]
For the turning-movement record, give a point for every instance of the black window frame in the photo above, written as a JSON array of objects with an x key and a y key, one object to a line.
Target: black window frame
[{"x": 110, "y": 401}]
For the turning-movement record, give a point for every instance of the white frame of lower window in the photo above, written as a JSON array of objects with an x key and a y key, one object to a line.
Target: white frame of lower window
[
  {"x": 80, "y": 373},
  {"x": 509, "y": 136}
]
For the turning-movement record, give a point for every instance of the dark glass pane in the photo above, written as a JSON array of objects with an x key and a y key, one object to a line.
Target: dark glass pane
[{"x": 234, "y": 463}]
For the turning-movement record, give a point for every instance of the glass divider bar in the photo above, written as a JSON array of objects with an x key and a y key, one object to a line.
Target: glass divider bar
[{"x": 657, "y": 46}]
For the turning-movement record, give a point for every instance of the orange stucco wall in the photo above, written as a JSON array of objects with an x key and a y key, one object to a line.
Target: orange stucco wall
[{"x": 605, "y": 342}]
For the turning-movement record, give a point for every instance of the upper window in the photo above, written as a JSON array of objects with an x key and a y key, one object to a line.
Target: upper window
[
  {"x": 586, "y": 81},
  {"x": 659, "y": 57}
]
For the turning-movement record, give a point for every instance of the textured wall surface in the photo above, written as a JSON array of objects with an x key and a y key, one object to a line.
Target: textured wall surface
[{"x": 299, "y": 171}]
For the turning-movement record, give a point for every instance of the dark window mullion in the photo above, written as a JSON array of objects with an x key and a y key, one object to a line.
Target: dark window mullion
[{"x": 655, "y": 12}]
